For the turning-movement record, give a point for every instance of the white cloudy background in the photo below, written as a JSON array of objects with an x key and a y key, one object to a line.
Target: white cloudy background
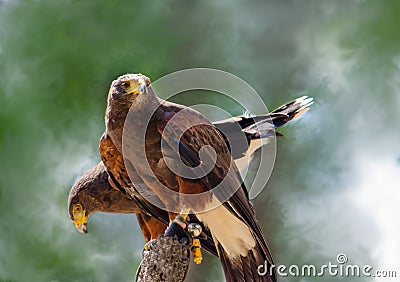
[{"x": 335, "y": 186}]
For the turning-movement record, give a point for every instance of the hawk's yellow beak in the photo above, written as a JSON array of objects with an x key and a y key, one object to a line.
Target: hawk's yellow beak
[
  {"x": 80, "y": 218},
  {"x": 134, "y": 86}
]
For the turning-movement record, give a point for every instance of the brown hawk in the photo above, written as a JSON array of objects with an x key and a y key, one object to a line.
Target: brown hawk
[
  {"x": 95, "y": 191},
  {"x": 92, "y": 192},
  {"x": 240, "y": 254},
  {"x": 231, "y": 221}
]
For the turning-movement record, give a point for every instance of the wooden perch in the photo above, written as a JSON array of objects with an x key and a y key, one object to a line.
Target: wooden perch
[{"x": 166, "y": 260}]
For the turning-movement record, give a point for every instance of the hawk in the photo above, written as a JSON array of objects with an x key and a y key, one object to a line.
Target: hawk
[
  {"x": 236, "y": 234},
  {"x": 95, "y": 190},
  {"x": 92, "y": 192}
]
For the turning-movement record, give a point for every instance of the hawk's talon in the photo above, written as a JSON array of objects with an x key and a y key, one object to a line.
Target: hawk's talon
[
  {"x": 176, "y": 229},
  {"x": 146, "y": 246}
]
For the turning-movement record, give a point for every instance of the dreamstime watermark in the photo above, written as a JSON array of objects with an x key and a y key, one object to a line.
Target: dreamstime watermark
[
  {"x": 340, "y": 268},
  {"x": 136, "y": 125}
]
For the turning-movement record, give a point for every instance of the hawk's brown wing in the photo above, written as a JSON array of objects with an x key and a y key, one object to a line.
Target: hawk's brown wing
[
  {"x": 236, "y": 215},
  {"x": 152, "y": 219}
]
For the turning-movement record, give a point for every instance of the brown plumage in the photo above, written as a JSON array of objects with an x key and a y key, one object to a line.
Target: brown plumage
[
  {"x": 92, "y": 193},
  {"x": 242, "y": 248},
  {"x": 119, "y": 179},
  {"x": 91, "y": 188},
  {"x": 152, "y": 216},
  {"x": 152, "y": 219}
]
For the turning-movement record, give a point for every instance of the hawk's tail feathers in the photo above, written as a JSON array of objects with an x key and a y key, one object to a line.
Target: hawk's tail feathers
[
  {"x": 263, "y": 125},
  {"x": 255, "y": 266},
  {"x": 291, "y": 110}
]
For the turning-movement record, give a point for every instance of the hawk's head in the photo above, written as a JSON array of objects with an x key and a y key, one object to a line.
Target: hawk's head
[
  {"x": 86, "y": 196},
  {"x": 79, "y": 208},
  {"x": 126, "y": 88},
  {"x": 94, "y": 193},
  {"x": 125, "y": 91}
]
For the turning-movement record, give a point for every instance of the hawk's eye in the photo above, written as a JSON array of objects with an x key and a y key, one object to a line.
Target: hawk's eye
[
  {"x": 77, "y": 208},
  {"x": 125, "y": 85}
]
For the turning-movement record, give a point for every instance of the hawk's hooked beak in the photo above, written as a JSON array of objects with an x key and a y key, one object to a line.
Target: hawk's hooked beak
[
  {"x": 81, "y": 228},
  {"x": 136, "y": 87}
]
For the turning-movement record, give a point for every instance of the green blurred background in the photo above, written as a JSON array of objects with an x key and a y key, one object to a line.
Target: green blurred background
[{"x": 335, "y": 186}]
